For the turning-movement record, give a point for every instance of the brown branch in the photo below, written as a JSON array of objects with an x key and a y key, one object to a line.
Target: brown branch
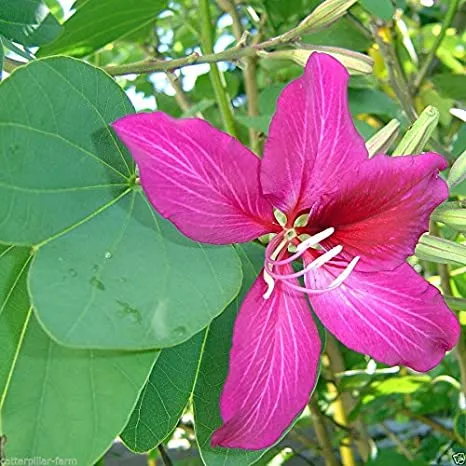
[
  {"x": 249, "y": 71},
  {"x": 323, "y": 438},
  {"x": 337, "y": 365}
]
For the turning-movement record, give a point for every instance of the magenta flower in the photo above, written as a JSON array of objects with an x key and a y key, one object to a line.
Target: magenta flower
[{"x": 350, "y": 220}]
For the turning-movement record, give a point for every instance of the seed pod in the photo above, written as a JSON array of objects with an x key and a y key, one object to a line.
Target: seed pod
[{"x": 383, "y": 139}]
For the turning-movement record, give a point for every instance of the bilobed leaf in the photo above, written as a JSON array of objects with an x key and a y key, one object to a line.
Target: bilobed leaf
[
  {"x": 28, "y": 22},
  {"x": 59, "y": 161},
  {"x": 138, "y": 283},
  {"x": 125, "y": 275},
  {"x": 54, "y": 401},
  {"x": 99, "y": 22},
  {"x": 164, "y": 396}
]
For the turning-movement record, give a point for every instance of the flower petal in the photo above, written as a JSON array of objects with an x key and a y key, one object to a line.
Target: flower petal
[
  {"x": 312, "y": 139},
  {"x": 383, "y": 209},
  {"x": 203, "y": 180},
  {"x": 273, "y": 366},
  {"x": 396, "y": 317}
]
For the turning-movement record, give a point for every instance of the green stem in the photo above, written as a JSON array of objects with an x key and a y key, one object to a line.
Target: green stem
[
  {"x": 215, "y": 77},
  {"x": 164, "y": 455},
  {"x": 447, "y": 21}
]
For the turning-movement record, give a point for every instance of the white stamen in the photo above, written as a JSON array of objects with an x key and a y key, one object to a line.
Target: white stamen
[
  {"x": 345, "y": 274},
  {"x": 324, "y": 258},
  {"x": 270, "y": 285},
  {"x": 316, "y": 239}
]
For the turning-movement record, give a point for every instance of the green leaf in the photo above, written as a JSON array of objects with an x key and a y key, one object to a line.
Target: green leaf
[
  {"x": 99, "y": 22},
  {"x": 2, "y": 56},
  {"x": 384, "y": 9},
  {"x": 69, "y": 403},
  {"x": 364, "y": 129},
  {"x": 268, "y": 98},
  {"x": 406, "y": 384},
  {"x": 14, "y": 307},
  {"x": 460, "y": 424},
  {"x": 214, "y": 368},
  {"x": 259, "y": 123},
  {"x": 195, "y": 370},
  {"x": 63, "y": 168},
  {"x": 165, "y": 396},
  {"x": 390, "y": 458},
  {"x": 451, "y": 85},
  {"x": 28, "y": 22},
  {"x": 371, "y": 101},
  {"x": 59, "y": 160},
  {"x": 21, "y": 51},
  {"x": 137, "y": 284},
  {"x": 343, "y": 33},
  {"x": 54, "y": 401}
]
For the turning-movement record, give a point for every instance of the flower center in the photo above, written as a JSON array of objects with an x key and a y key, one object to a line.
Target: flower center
[{"x": 281, "y": 242}]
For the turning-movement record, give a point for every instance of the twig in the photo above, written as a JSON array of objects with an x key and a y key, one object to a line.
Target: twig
[
  {"x": 249, "y": 72},
  {"x": 216, "y": 78},
  {"x": 395, "y": 77},
  {"x": 447, "y": 21},
  {"x": 181, "y": 98},
  {"x": 232, "y": 54},
  {"x": 434, "y": 425},
  {"x": 397, "y": 441},
  {"x": 398, "y": 82},
  {"x": 164, "y": 455},
  {"x": 322, "y": 434}
]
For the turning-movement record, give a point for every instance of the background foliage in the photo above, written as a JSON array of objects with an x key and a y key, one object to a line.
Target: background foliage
[{"x": 112, "y": 324}]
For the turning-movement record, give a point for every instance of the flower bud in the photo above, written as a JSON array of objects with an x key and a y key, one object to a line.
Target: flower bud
[
  {"x": 383, "y": 139},
  {"x": 325, "y": 14},
  {"x": 452, "y": 214},
  {"x": 458, "y": 171},
  {"x": 434, "y": 249},
  {"x": 419, "y": 133},
  {"x": 354, "y": 62}
]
